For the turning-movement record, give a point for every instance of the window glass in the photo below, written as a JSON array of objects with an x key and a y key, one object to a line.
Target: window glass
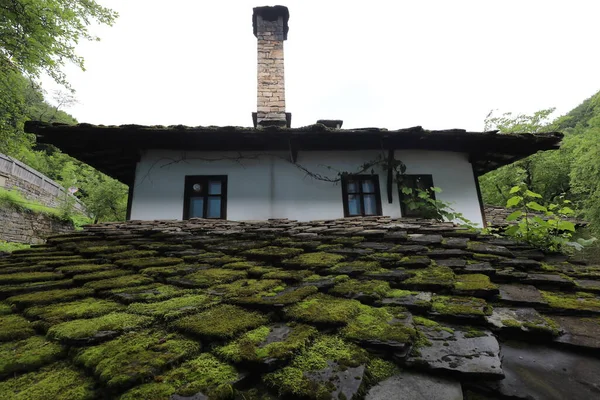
[
  {"x": 214, "y": 187},
  {"x": 370, "y": 204},
  {"x": 353, "y": 204},
  {"x": 352, "y": 187},
  {"x": 368, "y": 186},
  {"x": 213, "y": 207},
  {"x": 196, "y": 207}
]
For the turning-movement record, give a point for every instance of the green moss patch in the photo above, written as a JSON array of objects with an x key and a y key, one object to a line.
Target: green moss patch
[
  {"x": 326, "y": 351},
  {"x": 276, "y": 298},
  {"x": 273, "y": 253},
  {"x": 124, "y": 255},
  {"x": 175, "y": 307},
  {"x": 209, "y": 277},
  {"x": 204, "y": 374},
  {"x": 49, "y": 296},
  {"x": 220, "y": 322},
  {"x": 288, "y": 275},
  {"x": 361, "y": 290},
  {"x": 5, "y": 309},
  {"x": 14, "y": 327},
  {"x": 135, "y": 356},
  {"x": 324, "y": 309},
  {"x": 385, "y": 325},
  {"x": 576, "y": 302},
  {"x": 314, "y": 260},
  {"x": 140, "y": 263},
  {"x": 27, "y": 355},
  {"x": 84, "y": 308},
  {"x": 379, "y": 370},
  {"x": 24, "y": 277},
  {"x": 349, "y": 241},
  {"x": 475, "y": 285},
  {"x": 355, "y": 267},
  {"x": 82, "y": 331},
  {"x": 105, "y": 249},
  {"x": 84, "y": 268},
  {"x": 95, "y": 276},
  {"x": 432, "y": 278},
  {"x": 277, "y": 341},
  {"x": 241, "y": 265},
  {"x": 122, "y": 281},
  {"x": 57, "y": 381},
  {"x": 249, "y": 287},
  {"x": 147, "y": 293},
  {"x": 174, "y": 270},
  {"x": 13, "y": 290},
  {"x": 460, "y": 306}
]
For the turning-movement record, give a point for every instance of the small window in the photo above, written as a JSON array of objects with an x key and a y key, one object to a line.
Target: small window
[
  {"x": 205, "y": 197},
  {"x": 361, "y": 195},
  {"x": 408, "y": 190}
]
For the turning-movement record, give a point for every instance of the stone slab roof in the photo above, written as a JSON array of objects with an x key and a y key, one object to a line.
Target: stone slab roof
[
  {"x": 357, "y": 308},
  {"x": 115, "y": 150}
]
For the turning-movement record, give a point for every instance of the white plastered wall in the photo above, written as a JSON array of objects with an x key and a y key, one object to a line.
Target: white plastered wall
[{"x": 262, "y": 186}]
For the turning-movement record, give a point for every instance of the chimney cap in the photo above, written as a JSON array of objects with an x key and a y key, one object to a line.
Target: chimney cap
[{"x": 272, "y": 13}]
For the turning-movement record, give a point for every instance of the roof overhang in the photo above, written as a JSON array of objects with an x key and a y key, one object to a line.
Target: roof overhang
[{"x": 115, "y": 150}]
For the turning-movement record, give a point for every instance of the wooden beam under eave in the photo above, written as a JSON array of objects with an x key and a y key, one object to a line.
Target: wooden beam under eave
[{"x": 293, "y": 151}]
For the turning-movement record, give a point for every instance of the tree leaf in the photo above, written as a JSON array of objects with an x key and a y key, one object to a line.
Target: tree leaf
[
  {"x": 529, "y": 193},
  {"x": 536, "y": 206},
  {"x": 566, "y": 226},
  {"x": 515, "y": 189},
  {"x": 514, "y": 215},
  {"x": 513, "y": 201}
]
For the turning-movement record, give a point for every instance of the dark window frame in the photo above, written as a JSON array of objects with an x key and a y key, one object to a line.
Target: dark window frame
[
  {"x": 377, "y": 193},
  {"x": 406, "y": 213},
  {"x": 204, "y": 179}
]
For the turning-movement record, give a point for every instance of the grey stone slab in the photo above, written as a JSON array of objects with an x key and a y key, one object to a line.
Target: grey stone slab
[
  {"x": 415, "y": 386},
  {"x": 346, "y": 381},
  {"x": 487, "y": 248},
  {"x": 454, "y": 263},
  {"x": 480, "y": 268},
  {"x": 420, "y": 301},
  {"x": 522, "y": 319},
  {"x": 579, "y": 331},
  {"x": 425, "y": 239},
  {"x": 545, "y": 280},
  {"x": 474, "y": 355},
  {"x": 523, "y": 264},
  {"x": 588, "y": 284},
  {"x": 542, "y": 373},
  {"x": 521, "y": 294},
  {"x": 455, "y": 243}
]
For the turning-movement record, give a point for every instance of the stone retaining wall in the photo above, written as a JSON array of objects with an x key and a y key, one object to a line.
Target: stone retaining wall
[{"x": 23, "y": 226}]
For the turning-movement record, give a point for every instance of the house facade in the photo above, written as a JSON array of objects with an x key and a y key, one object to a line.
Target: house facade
[{"x": 272, "y": 170}]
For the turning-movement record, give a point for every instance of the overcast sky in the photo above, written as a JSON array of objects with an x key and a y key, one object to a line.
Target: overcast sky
[{"x": 393, "y": 64}]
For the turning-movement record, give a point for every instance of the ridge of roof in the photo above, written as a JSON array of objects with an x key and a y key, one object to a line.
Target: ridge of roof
[{"x": 354, "y": 307}]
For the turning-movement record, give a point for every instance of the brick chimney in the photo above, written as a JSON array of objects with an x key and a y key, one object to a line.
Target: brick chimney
[{"x": 270, "y": 28}]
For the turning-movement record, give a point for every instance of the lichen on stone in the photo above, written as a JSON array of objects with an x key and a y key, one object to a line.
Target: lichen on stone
[
  {"x": 140, "y": 263},
  {"x": 147, "y": 293},
  {"x": 354, "y": 288},
  {"x": 94, "y": 276},
  {"x": 273, "y": 252},
  {"x": 24, "y": 277},
  {"x": 460, "y": 306},
  {"x": 474, "y": 282},
  {"x": 355, "y": 267},
  {"x": 28, "y": 354},
  {"x": 84, "y": 268},
  {"x": 220, "y": 322},
  {"x": 288, "y": 275},
  {"x": 580, "y": 301},
  {"x": 432, "y": 277},
  {"x": 249, "y": 287}
]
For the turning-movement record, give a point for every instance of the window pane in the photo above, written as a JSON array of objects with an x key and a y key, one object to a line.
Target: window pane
[
  {"x": 352, "y": 187},
  {"x": 370, "y": 205},
  {"x": 214, "y": 187},
  {"x": 196, "y": 207},
  {"x": 368, "y": 186},
  {"x": 353, "y": 204},
  {"x": 214, "y": 207}
]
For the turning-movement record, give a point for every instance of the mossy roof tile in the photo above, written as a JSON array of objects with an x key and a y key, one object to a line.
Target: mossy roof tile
[{"x": 300, "y": 308}]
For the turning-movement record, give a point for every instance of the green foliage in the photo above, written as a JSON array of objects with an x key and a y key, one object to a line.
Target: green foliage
[
  {"x": 423, "y": 202},
  {"x": 541, "y": 226},
  {"x": 9, "y": 247}
]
